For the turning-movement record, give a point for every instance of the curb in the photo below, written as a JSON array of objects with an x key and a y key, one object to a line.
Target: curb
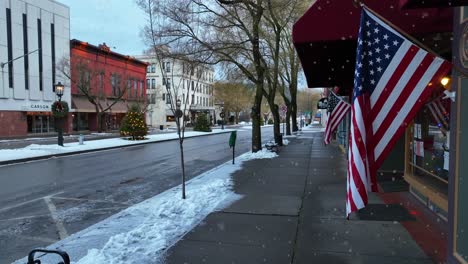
[{"x": 10, "y": 162}]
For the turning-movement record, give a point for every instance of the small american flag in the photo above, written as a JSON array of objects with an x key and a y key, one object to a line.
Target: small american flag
[
  {"x": 338, "y": 110},
  {"x": 440, "y": 114},
  {"x": 392, "y": 81}
]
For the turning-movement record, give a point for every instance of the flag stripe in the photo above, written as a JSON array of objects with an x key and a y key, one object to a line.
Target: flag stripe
[
  {"x": 414, "y": 102},
  {"x": 398, "y": 62},
  {"x": 331, "y": 123},
  {"x": 398, "y": 85},
  {"x": 403, "y": 97},
  {"x": 337, "y": 114},
  {"x": 341, "y": 109}
]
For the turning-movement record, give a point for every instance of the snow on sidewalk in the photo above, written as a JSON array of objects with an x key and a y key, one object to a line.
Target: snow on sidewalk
[
  {"x": 142, "y": 232},
  {"x": 36, "y": 150}
]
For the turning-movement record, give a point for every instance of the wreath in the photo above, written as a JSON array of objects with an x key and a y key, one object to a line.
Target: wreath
[{"x": 60, "y": 109}]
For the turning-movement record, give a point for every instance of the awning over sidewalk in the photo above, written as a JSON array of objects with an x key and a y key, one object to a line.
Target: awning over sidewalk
[
  {"x": 325, "y": 36},
  {"x": 83, "y": 105},
  {"x": 431, "y": 3}
]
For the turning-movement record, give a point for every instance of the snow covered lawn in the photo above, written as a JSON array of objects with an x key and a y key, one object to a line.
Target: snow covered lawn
[
  {"x": 36, "y": 150},
  {"x": 142, "y": 232}
]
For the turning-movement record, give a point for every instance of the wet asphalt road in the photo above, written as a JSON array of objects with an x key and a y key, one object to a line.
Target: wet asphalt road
[{"x": 44, "y": 201}]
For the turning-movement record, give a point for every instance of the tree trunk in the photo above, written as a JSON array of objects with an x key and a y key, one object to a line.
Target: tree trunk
[
  {"x": 181, "y": 145},
  {"x": 295, "y": 128},
  {"x": 256, "y": 116},
  {"x": 288, "y": 122},
  {"x": 100, "y": 121},
  {"x": 276, "y": 121}
]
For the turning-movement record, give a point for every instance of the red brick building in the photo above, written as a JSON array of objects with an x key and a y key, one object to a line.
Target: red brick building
[{"x": 103, "y": 81}]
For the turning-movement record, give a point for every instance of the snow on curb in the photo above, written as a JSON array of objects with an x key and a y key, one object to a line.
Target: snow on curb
[
  {"x": 36, "y": 150},
  {"x": 142, "y": 232}
]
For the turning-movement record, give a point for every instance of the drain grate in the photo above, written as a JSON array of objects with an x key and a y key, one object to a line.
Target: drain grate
[{"x": 384, "y": 212}]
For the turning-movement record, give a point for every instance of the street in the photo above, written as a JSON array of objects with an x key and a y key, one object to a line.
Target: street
[{"x": 45, "y": 201}]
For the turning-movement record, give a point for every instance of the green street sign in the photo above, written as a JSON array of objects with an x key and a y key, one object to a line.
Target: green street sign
[{"x": 232, "y": 139}]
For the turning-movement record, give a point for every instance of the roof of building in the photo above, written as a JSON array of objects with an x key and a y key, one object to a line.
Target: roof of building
[{"x": 103, "y": 48}]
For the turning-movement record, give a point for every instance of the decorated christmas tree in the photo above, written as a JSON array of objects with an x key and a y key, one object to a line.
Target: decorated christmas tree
[
  {"x": 134, "y": 124},
  {"x": 202, "y": 124}
]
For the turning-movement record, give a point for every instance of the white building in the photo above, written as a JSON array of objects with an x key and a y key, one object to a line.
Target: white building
[
  {"x": 34, "y": 36},
  {"x": 195, "y": 84}
]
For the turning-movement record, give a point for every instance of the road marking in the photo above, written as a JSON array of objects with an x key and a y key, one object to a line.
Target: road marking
[
  {"x": 23, "y": 217},
  {"x": 87, "y": 200},
  {"x": 53, "y": 212},
  {"x": 23, "y": 203},
  {"x": 42, "y": 239}
]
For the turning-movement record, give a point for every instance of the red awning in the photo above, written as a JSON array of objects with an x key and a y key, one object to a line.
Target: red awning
[
  {"x": 431, "y": 3},
  {"x": 325, "y": 35}
]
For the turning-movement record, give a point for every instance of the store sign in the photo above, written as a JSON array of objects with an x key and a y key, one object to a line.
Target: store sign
[
  {"x": 322, "y": 103},
  {"x": 36, "y": 107}
]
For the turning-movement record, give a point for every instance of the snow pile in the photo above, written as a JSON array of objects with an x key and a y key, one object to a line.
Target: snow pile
[
  {"x": 263, "y": 154},
  {"x": 141, "y": 233},
  {"x": 285, "y": 142},
  {"x": 164, "y": 220}
]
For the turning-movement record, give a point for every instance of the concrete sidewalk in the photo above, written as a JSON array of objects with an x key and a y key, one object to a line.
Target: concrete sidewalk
[{"x": 293, "y": 211}]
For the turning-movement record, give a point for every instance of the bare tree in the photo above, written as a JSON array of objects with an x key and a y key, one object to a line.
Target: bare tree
[
  {"x": 180, "y": 93},
  {"x": 222, "y": 31},
  {"x": 89, "y": 80}
]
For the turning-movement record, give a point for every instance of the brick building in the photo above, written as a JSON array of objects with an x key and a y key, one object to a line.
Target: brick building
[{"x": 103, "y": 81}]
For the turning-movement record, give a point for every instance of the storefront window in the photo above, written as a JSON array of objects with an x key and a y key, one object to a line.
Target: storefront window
[
  {"x": 430, "y": 140},
  {"x": 40, "y": 123}
]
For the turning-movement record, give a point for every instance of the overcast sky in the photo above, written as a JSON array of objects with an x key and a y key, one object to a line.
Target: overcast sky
[{"x": 116, "y": 22}]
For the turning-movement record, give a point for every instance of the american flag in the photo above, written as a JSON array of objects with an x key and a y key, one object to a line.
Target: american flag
[
  {"x": 392, "y": 80},
  {"x": 440, "y": 114},
  {"x": 337, "y": 109}
]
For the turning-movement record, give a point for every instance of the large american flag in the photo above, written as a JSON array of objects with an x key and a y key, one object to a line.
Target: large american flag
[
  {"x": 337, "y": 109},
  {"x": 393, "y": 79}
]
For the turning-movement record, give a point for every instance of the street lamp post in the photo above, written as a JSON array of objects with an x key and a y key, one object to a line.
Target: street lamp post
[
  {"x": 222, "y": 114},
  {"x": 59, "y": 88}
]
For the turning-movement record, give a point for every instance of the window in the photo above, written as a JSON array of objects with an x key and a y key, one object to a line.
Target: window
[
  {"x": 135, "y": 88},
  {"x": 193, "y": 99},
  {"x": 168, "y": 67},
  {"x": 153, "y": 68},
  {"x": 164, "y": 97},
  {"x": 115, "y": 83},
  {"x": 153, "y": 83},
  {"x": 193, "y": 85},
  {"x": 26, "y": 58},
  {"x": 168, "y": 83},
  {"x": 198, "y": 100},
  {"x": 164, "y": 81},
  {"x": 101, "y": 83},
  {"x": 141, "y": 89},
  {"x": 168, "y": 99},
  {"x": 148, "y": 83},
  {"x": 52, "y": 46},
  {"x": 148, "y": 69},
  {"x": 10, "y": 48},
  {"x": 183, "y": 98},
  {"x": 39, "y": 40}
]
